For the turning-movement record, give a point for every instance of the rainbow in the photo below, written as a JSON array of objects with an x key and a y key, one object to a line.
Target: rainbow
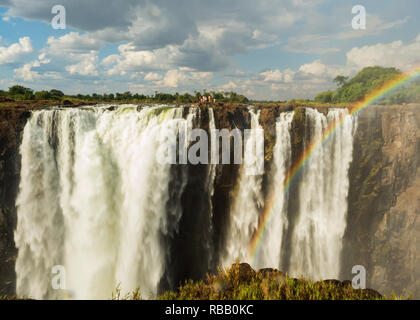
[{"x": 371, "y": 98}]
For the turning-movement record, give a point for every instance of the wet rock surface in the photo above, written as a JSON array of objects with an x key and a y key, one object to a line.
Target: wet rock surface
[{"x": 383, "y": 226}]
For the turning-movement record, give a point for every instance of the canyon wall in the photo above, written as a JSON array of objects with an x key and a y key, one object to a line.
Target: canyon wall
[
  {"x": 383, "y": 227},
  {"x": 12, "y": 122}
]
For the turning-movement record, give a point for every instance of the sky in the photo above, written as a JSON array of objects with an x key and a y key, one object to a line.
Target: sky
[{"x": 264, "y": 49}]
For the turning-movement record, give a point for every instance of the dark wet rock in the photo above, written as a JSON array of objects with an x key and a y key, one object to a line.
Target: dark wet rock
[
  {"x": 245, "y": 272},
  {"x": 383, "y": 227},
  {"x": 270, "y": 272},
  {"x": 67, "y": 103},
  {"x": 12, "y": 121}
]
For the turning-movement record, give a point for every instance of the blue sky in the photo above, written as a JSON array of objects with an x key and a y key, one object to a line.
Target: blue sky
[{"x": 267, "y": 49}]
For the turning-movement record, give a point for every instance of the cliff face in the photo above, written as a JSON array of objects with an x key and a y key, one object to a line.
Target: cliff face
[
  {"x": 12, "y": 122},
  {"x": 383, "y": 225},
  {"x": 384, "y": 196}
]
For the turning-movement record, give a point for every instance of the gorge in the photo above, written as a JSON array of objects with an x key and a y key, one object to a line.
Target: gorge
[{"x": 80, "y": 187}]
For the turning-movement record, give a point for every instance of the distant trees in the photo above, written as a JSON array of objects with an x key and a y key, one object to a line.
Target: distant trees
[
  {"x": 364, "y": 82},
  {"x": 18, "y": 92},
  {"x": 42, "y": 95},
  {"x": 340, "y": 80},
  {"x": 409, "y": 93},
  {"x": 355, "y": 89},
  {"x": 21, "y": 93},
  {"x": 56, "y": 93},
  {"x": 325, "y": 97}
]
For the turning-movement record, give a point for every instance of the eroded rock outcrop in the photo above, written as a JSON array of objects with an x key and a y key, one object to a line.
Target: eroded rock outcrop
[
  {"x": 12, "y": 122},
  {"x": 383, "y": 226}
]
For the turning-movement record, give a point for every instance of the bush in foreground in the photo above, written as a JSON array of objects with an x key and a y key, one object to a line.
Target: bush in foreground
[{"x": 241, "y": 282}]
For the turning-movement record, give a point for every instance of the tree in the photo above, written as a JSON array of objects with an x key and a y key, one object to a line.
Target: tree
[
  {"x": 340, "y": 80},
  {"x": 16, "y": 90},
  {"x": 355, "y": 89},
  {"x": 56, "y": 93},
  {"x": 42, "y": 95},
  {"x": 325, "y": 97}
]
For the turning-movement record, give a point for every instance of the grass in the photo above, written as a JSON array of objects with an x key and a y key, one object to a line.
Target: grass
[{"x": 240, "y": 282}]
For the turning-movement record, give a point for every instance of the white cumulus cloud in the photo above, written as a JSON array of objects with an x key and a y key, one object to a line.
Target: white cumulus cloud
[{"x": 16, "y": 51}]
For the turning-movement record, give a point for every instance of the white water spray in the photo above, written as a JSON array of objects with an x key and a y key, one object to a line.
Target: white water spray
[
  {"x": 245, "y": 209},
  {"x": 318, "y": 233},
  {"x": 93, "y": 199},
  {"x": 269, "y": 254}
]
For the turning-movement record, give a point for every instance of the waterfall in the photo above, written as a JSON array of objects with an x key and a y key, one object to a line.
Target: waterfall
[
  {"x": 245, "y": 209},
  {"x": 93, "y": 199},
  {"x": 211, "y": 175},
  {"x": 270, "y": 253},
  {"x": 313, "y": 235},
  {"x": 321, "y": 221}
]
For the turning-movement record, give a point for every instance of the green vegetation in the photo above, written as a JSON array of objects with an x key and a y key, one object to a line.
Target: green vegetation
[
  {"x": 19, "y": 93},
  {"x": 366, "y": 81},
  {"x": 409, "y": 93},
  {"x": 241, "y": 282}
]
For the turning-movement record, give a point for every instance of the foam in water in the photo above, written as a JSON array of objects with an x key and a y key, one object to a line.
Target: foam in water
[
  {"x": 313, "y": 235},
  {"x": 270, "y": 252},
  {"x": 92, "y": 198},
  {"x": 317, "y": 237},
  {"x": 245, "y": 209}
]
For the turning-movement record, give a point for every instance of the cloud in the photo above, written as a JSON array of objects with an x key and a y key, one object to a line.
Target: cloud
[
  {"x": 151, "y": 76},
  {"x": 179, "y": 78},
  {"x": 86, "y": 67},
  {"x": 228, "y": 86},
  {"x": 203, "y": 37},
  {"x": 394, "y": 54},
  {"x": 130, "y": 60},
  {"x": 73, "y": 42},
  {"x": 374, "y": 26},
  {"x": 27, "y": 74},
  {"x": 16, "y": 51},
  {"x": 310, "y": 43},
  {"x": 331, "y": 30},
  {"x": 174, "y": 45},
  {"x": 172, "y": 79},
  {"x": 272, "y": 75},
  {"x": 316, "y": 68}
]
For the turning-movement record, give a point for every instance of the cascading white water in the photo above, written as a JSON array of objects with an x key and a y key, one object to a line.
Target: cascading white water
[
  {"x": 93, "y": 199},
  {"x": 245, "y": 209},
  {"x": 321, "y": 221},
  {"x": 269, "y": 255},
  {"x": 211, "y": 175},
  {"x": 315, "y": 238}
]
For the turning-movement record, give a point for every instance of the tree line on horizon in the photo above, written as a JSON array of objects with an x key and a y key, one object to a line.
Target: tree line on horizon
[
  {"x": 18, "y": 92},
  {"x": 348, "y": 91},
  {"x": 365, "y": 82}
]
